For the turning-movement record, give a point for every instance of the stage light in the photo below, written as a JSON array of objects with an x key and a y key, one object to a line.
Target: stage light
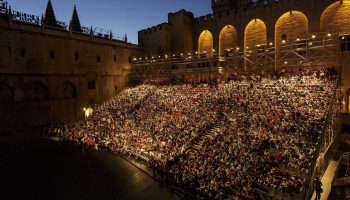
[
  {"x": 237, "y": 48},
  {"x": 196, "y": 52},
  {"x": 313, "y": 36},
  {"x": 298, "y": 39},
  {"x": 283, "y": 41},
  {"x": 329, "y": 34},
  {"x": 271, "y": 43}
]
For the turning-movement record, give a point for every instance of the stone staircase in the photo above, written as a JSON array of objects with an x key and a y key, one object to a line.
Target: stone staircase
[{"x": 198, "y": 144}]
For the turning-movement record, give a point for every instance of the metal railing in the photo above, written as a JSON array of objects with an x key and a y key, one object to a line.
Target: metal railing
[
  {"x": 39, "y": 21},
  {"x": 319, "y": 49},
  {"x": 330, "y": 131}
]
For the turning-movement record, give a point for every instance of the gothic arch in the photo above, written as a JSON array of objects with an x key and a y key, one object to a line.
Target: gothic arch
[
  {"x": 66, "y": 90},
  {"x": 254, "y": 34},
  {"x": 205, "y": 44},
  {"x": 6, "y": 93},
  {"x": 336, "y": 18},
  {"x": 35, "y": 91},
  {"x": 227, "y": 39}
]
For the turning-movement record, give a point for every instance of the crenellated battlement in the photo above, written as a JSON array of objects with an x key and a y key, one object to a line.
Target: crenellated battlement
[{"x": 156, "y": 28}]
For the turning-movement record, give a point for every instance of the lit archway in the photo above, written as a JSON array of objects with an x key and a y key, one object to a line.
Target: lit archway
[
  {"x": 254, "y": 34},
  {"x": 205, "y": 44},
  {"x": 335, "y": 18},
  {"x": 289, "y": 27},
  {"x": 227, "y": 40}
]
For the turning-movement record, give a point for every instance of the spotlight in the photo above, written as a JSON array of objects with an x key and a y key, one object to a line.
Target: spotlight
[
  {"x": 271, "y": 43},
  {"x": 283, "y": 41},
  {"x": 329, "y": 34},
  {"x": 298, "y": 39},
  {"x": 313, "y": 36},
  {"x": 237, "y": 48}
]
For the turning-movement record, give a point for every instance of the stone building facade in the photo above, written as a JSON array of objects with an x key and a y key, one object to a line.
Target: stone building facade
[
  {"x": 49, "y": 72},
  {"x": 245, "y": 25}
]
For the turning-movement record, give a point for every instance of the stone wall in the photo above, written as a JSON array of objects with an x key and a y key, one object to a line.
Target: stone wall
[{"x": 49, "y": 75}]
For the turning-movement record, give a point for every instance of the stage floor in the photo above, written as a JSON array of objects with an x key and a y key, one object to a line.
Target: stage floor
[{"x": 40, "y": 169}]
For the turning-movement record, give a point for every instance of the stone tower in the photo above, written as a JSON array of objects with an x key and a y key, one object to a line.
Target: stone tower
[
  {"x": 75, "y": 22},
  {"x": 50, "y": 19}
]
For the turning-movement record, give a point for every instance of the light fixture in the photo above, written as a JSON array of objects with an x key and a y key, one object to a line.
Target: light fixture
[
  {"x": 298, "y": 39},
  {"x": 329, "y": 34},
  {"x": 283, "y": 41},
  {"x": 313, "y": 36},
  {"x": 237, "y": 48},
  {"x": 271, "y": 43}
]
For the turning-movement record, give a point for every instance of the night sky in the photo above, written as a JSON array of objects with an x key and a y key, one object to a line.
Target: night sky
[{"x": 120, "y": 16}]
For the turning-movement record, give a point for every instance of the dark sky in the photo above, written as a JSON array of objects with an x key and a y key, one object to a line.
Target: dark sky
[{"x": 121, "y": 16}]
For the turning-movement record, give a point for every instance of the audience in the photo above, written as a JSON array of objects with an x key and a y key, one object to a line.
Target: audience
[{"x": 268, "y": 128}]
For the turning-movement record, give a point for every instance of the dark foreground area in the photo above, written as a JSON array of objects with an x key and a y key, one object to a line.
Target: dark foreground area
[{"x": 40, "y": 169}]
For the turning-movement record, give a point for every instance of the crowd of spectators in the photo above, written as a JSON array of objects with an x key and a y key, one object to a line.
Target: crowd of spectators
[{"x": 268, "y": 131}]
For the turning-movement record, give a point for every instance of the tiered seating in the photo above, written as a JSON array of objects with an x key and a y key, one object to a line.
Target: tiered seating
[{"x": 249, "y": 138}]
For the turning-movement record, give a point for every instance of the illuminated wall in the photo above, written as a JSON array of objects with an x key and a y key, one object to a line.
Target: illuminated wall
[
  {"x": 205, "y": 43},
  {"x": 254, "y": 34},
  {"x": 227, "y": 39},
  {"x": 289, "y": 27},
  {"x": 336, "y": 18}
]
